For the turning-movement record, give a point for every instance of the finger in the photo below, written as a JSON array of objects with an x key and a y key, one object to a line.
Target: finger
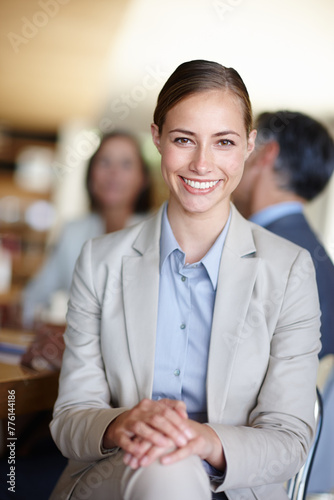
[
  {"x": 151, "y": 431},
  {"x": 128, "y": 427},
  {"x": 178, "y": 454},
  {"x": 154, "y": 421},
  {"x": 175, "y": 411},
  {"x": 154, "y": 453},
  {"x": 143, "y": 447},
  {"x": 141, "y": 450},
  {"x": 128, "y": 456},
  {"x": 167, "y": 422},
  {"x": 133, "y": 463},
  {"x": 176, "y": 405}
]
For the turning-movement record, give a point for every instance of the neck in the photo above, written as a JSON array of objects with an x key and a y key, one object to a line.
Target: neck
[
  {"x": 196, "y": 232},
  {"x": 267, "y": 192},
  {"x": 115, "y": 218},
  {"x": 273, "y": 198}
]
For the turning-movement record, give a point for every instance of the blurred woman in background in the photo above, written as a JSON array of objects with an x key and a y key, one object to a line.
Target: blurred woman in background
[{"x": 119, "y": 189}]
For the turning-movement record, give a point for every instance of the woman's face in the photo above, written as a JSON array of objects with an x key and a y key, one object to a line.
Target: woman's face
[
  {"x": 203, "y": 146},
  {"x": 117, "y": 176}
]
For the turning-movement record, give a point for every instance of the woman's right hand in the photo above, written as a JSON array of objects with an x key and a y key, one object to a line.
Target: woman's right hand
[
  {"x": 162, "y": 424},
  {"x": 46, "y": 351}
]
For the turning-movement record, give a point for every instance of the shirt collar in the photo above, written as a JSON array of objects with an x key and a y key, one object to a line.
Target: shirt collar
[
  {"x": 274, "y": 212},
  {"x": 211, "y": 260},
  {"x": 168, "y": 242}
]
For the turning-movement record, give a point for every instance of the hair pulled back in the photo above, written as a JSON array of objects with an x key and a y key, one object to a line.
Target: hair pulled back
[{"x": 199, "y": 76}]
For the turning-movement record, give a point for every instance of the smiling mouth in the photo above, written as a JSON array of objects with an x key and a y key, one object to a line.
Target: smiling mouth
[{"x": 200, "y": 185}]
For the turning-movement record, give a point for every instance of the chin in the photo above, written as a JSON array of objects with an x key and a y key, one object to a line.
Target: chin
[{"x": 197, "y": 208}]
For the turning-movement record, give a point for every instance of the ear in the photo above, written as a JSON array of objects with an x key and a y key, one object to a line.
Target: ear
[
  {"x": 156, "y": 136},
  {"x": 270, "y": 152},
  {"x": 251, "y": 142},
  {"x": 264, "y": 155}
]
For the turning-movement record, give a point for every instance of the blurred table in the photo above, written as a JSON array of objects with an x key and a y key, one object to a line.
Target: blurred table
[
  {"x": 34, "y": 391},
  {"x": 10, "y": 307}
]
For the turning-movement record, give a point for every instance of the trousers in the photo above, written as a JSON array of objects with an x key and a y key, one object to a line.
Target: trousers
[{"x": 111, "y": 479}]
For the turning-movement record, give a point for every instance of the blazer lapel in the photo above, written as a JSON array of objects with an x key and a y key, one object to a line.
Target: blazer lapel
[
  {"x": 140, "y": 278},
  {"x": 140, "y": 293},
  {"x": 237, "y": 275}
]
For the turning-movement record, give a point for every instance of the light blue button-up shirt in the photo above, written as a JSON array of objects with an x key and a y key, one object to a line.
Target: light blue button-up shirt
[
  {"x": 186, "y": 300},
  {"x": 270, "y": 214}
]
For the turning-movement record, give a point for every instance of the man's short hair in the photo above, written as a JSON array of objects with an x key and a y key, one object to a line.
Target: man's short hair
[{"x": 305, "y": 161}]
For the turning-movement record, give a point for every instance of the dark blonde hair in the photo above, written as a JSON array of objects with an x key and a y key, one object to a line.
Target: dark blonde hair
[{"x": 198, "y": 76}]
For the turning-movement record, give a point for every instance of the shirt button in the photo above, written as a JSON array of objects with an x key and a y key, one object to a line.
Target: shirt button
[
  {"x": 176, "y": 373},
  {"x": 183, "y": 278},
  {"x": 182, "y": 326}
]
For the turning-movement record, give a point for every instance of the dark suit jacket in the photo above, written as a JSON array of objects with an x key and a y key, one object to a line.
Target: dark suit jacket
[{"x": 295, "y": 228}]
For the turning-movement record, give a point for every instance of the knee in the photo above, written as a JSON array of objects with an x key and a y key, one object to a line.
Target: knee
[
  {"x": 102, "y": 481},
  {"x": 184, "y": 479}
]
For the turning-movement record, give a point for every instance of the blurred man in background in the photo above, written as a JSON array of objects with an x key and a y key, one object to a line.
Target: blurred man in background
[{"x": 291, "y": 164}]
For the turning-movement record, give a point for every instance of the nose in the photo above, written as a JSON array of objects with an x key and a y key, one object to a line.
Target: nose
[
  {"x": 114, "y": 167},
  {"x": 202, "y": 161}
]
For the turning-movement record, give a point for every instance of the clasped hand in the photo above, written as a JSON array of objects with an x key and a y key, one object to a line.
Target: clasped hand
[{"x": 162, "y": 430}]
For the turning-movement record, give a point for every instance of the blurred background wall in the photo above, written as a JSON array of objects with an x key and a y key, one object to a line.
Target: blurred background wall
[{"x": 71, "y": 70}]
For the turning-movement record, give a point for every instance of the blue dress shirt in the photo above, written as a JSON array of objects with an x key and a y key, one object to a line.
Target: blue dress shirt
[
  {"x": 186, "y": 300},
  {"x": 272, "y": 213}
]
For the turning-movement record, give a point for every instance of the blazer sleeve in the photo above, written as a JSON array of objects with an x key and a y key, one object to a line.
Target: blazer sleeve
[
  {"x": 82, "y": 411},
  {"x": 274, "y": 444}
]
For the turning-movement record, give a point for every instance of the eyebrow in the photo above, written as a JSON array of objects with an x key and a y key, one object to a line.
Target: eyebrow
[{"x": 218, "y": 134}]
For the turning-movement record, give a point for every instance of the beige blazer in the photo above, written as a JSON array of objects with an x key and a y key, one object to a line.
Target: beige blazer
[{"x": 262, "y": 361}]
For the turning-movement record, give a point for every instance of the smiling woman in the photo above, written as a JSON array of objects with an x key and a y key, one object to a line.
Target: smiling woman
[
  {"x": 191, "y": 347},
  {"x": 204, "y": 145}
]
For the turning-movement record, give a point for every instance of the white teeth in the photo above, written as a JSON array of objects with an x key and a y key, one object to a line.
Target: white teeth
[{"x": 200, "y": 185}]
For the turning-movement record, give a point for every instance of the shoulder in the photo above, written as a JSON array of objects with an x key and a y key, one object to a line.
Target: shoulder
[
  {"x": 101, "y": 261},
  {"x": 261, "y": 242},
  {"x": 133, "y": 240},
  {"x": 271, "y": 244},
  {"x": 138, "y": 217},
  {"x": 277, "y": 260},
  {"x": 296, "y": 229},
  {"x": 90, "y": 225}
]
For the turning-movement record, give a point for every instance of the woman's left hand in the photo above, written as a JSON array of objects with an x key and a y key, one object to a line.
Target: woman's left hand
[{"x": 205, "y": 443}]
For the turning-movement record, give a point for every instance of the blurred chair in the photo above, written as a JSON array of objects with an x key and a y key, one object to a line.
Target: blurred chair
[
  {"x": 320, "y": 496},
  {"x": 321, "y": 483},
  {"x": 297, "y": 486}
]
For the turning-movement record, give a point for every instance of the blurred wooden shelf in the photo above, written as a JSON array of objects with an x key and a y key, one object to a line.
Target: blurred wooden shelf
[
  {"x": 8, "y": 187},
  {"x": 27, "y": 245}
]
